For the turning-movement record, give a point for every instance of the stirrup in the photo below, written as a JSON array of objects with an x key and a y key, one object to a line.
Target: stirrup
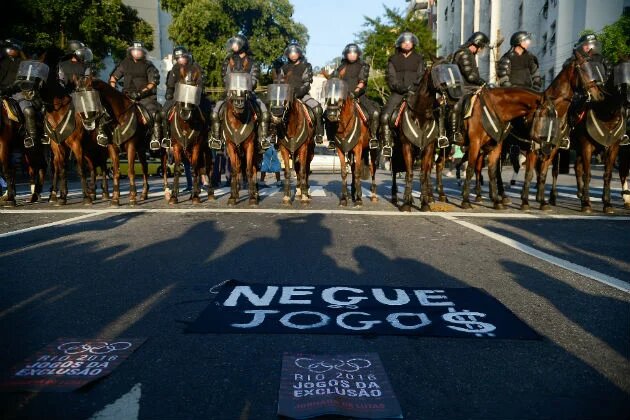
[
  {"x": 564, "y": 143},
  {"x": 215, "y": 144},
  {"x": 102, "y": 140},
  {"x": 442, "y": 142},
  {"x": 45, "y": 139},
  {"x": 154, "y": 145},
  {"x": 166, "y": 143},
  {"x": 373, "y": 144},
  {"x": 319, "y": 139},
  {"x": 273, "y": 139},
  {"x": 625, "y": 140},
  {"x": 332, "y": 145},
  {"x": 265, "y": 143},
  {"x": 29, "y": 142},
  {"x": 387, "y": 151}
]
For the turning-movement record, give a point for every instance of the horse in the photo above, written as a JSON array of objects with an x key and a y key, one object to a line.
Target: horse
[
  {"x": 601, "y": 127},
  {"x": 189, "y": 133},
  {"x": 349, "y": 131},
  {"x": 540, "y": 156},
  {"x": 295, "y": 135},
  {"x": 9, "y": 136},
  {"x": 238, "y": 128},
  {"x": 130, "y": 133},
  {"x": 417, "y": 128}
]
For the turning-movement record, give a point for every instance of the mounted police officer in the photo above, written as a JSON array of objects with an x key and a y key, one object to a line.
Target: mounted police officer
[
  {"x": 182, "y": 59},
  {"x": 298, "y": 73},
  {"x": 404, "y": 73},
  {"x": 140, "y": 81},
  {"x": 464, "y": 57},
  {"x": 518, "y": 67},
  {"x": 24, "y": 90},
  {"x": 356, "y": 72},
  {"x": 240, "y": 60}
]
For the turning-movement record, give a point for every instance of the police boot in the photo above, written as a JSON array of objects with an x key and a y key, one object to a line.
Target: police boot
[
  {"x": 386, "y": 135},
  {"x": 458, "y": 139},
  {"x": 154, "y": 144},
  {"x": 263, "y": 135},
  {"x": 214, "y": 142},
  {"x": 374, "y": 131},
  {"x": 166, "y": 138},
  {"x": 30, "y": 124},
  {"x": 319, "y": 125},
  {"x": 102, "y": 139},
  {"x": 565, "y": 143}
]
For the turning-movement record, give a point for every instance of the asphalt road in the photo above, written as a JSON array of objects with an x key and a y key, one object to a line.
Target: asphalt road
[{"x": 146, "y": 271}]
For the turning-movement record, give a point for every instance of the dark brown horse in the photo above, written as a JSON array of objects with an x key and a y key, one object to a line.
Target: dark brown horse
[
  {"x": 540, "y": 157},
  {"x": 351, "y": 136},
  {"x": 295, "y": 128},
  {"x": 130, "y": 134},
  {"x": 239, "y": 128},
  {"x": 9, "y": 137},
  {"x": 189, "y": 132},
  {"x": 600, "y": 129}
]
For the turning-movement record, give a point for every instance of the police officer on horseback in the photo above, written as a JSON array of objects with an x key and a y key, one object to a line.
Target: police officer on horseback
[
  {"x": 10, "y": 59},
  {"x": 464, "y": 57},
  {"x": 298, "y": 73},
  {"x": 182, "y": 59},
  {"x": 518, "y": 67},
  {"x": 140, "y": 81},
  {"x": 355, "y": 72},
  {"x": 404, "y": 73},
  {"x": 240, "y": 60}
]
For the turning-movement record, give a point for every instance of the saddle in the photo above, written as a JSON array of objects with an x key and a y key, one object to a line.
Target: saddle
[{"x": 13, "y": 110}]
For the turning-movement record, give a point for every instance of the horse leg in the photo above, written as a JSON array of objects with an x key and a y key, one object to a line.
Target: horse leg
[
  {"x": 9, "y": 173},
  {"x": 530, "y": 163},
  {"x": 78, "y": 154},
  {"x": 579, "y": 173},
  {"x": 493, "y": 163},
  {"x": 505, "y": 200},
  {"x": 356, "y": 175},
  {"x": 478, "y": 177},
  {"x": 473, "y": 154},
  {"x": 303, "y": 157},
  {"x": 373, "y": 157},
  {"x": 425, "y": 174},
  {"x": 343, "y": 199},
  {"x": 236, "y": 171},
  {"x": 407, "y": 152},
  {"x": 555, "y": 171},
  {"x": 63, "y": 180},
  {"x": 177, "y": 159},
  {"x": 542, "y": 181},
  {"x": 145, "y": 175},
  {"x": 196, "y": 168},
  {"x": 624, "y": 169},
  {"x": 587, "y": 151},
  {"x": 252, "y": 182},
  {"x": 114, "y": 156},
  {"x": 610, "y": 157},
  {"x": 439, "y": 168}
]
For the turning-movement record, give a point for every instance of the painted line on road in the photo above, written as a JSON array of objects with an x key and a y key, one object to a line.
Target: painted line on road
[
  {"x": 567, "y": 265},
  {"x": 47, "y": 225}
]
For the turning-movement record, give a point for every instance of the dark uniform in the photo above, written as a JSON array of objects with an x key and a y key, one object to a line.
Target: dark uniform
[
  {"x": 299, "y": 75},
  {"x": 355, "y": 73},
  {"x": 404, "y": 73},
  {"x": 516, "y": 69},
  {"x": 140, "y": 81},
  {"x": 465, "y": 60},
  {"x": 172, "y": 79},
  {"x": 240, "y": 61},
  {"x": 9, "y": 66}
]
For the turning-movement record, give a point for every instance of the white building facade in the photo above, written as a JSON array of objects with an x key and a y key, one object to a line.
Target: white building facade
[{"x": 556, "y": 25}]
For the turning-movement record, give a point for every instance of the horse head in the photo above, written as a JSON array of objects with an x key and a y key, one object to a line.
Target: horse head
[
  {"x": 588, "y": 76},
  {"x": 280, "y": 98},
  {"x": 239, "y": 86},
  {"x": 188, "y": 91},
  {"x": 335, "y": 95}
]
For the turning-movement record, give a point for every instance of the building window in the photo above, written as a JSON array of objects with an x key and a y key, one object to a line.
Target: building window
[
  {"x": 545, "y": 9},
  {"x": 552, "y": 40},
  {"x": 520, "y": 16},
  {"x": 445, "y": 14},
  {"x": 544, "y": 44},
  {"x": 550, "y": 74}
]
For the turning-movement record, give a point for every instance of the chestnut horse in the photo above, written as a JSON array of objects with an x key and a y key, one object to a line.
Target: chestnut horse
[
  {"x": 351, "y": 135},
  {"x": 130, "y": 134},
  {"x": 189, "y": 139}
]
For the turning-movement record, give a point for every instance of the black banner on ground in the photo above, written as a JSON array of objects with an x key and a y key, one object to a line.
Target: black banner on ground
[
  {"x": 366, "y": 310},
  {"x": 353, "y": 385},
  {"x": 69, "y": 363}
]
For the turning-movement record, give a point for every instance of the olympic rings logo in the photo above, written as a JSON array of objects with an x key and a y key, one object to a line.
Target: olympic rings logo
[
  {"x": 321, "y": 366},
  {"x": 97, "y": 347}
]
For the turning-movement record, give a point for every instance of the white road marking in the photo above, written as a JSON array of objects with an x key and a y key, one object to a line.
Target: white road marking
[
  {"x": 126, "y": 407},
  {"x": 567, "y": 265},
  {"x": 46, "y": 225},
  {"x": 318, "y": 191}
]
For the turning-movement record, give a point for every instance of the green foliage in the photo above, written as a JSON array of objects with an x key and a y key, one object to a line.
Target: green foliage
[
  {"x": 615, "y": 39},
  {"x": 105, "y": 25},
  {"x": 204, "y": 26},
  {"x": 378, "y": 41}
]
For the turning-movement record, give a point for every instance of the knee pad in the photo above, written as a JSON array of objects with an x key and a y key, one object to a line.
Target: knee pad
[
  {"x": 385, "y": 118},
  {"x": 157, "y": 117},
  {"x": 318, "y": 111},
  {"x": 29, "y": 112}
]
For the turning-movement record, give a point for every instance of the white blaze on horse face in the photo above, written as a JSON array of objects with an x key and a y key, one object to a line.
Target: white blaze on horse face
[
  {"x": 395, "y": 322},
  {"x": 328, "y": 295},
  {"x": 424, "y": 296},
  {"x": 254, "y": 299},
  {"x": 365, "y": 325}
]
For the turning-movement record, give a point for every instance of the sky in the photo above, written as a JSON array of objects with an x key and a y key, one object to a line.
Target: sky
[{"x": 332, "y": 24}]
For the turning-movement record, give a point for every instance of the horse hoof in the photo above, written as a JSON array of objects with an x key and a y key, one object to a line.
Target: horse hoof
[
  {"x": 431, "y": 199},
  {"x": 231, "y": 201},
  {"x": 358, "y": 204},
  {"x": 105, "y": 196},
  {"x": 478, "y": 199},
  {"x": 196, "y": 200},
  {"x": 343, "y": 202},
  {"x": 133, "y": 201},
  {"x": 499, "y": 206},
  {"x": 626, "y": 206},
  {"x": 405, "y": 208},
  {"x": 466, "y": 205},
  {"x": 394, "y": 201},
  {"x": 525, "y": 207},
  {"x": 87, "y": 201},
  {"x": 144, "y": 196},
  {"x": 425, "y": 207},
  {"x": 253, "y": 202},
  {"x": 9, "y": 203},
  {"x": 608, "y": 210},
  {"x": 172, "y": 200},
  {"x": 443, "y": 199},
  {"x": 93, "y": 197},
  {"x": 287, "y": 201},
  {"x": 52, "y": 198},
  {"x": 34, "y": 198},
  {"x": 115, "y": 203},
  {"x": 552, "y": 201},
  {"x": 211, "y": 197},
  {"x": 587, "y": 209},
  {"x": 545, "y": 207},
  {"x": 305, "y": 199},
  {"x": 506, "y": 201}
]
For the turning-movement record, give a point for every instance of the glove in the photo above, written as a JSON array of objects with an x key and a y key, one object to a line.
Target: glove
[
  {"x": 352, "y": 95},
  {"x": 168, "y": 96},
  {"x": 134, "y": 96}
]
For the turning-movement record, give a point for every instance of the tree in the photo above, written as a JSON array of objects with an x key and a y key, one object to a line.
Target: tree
[
  {"x": 204, "y": 27},
  {"x": 615, "y": 39},
  {"x": 107, "y": 26},
  {"x": 378, "y": 44}
]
